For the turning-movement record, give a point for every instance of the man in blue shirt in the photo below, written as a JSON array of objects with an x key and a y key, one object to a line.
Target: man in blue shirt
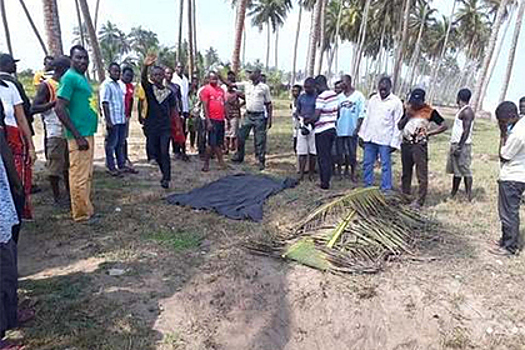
[
  {"x": 305, "y": 110},
  {"x": 352, "y": 109}
]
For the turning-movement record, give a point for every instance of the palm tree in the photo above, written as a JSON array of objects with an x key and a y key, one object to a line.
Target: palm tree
[
  {"x": 190, "y": 38},
  {"x": 6, "y": 27},
  {"x": 296, "y": 44},
  {"x": 488, "y": 54},
  {"x": 314, "y": 36},
  {"x": 142, "y": 41},
  {"x": 181, "y": 17},
  {"x": 361, "y": 40},
  {"x": 113, "y": 43},
  {"x": 93, "y": 40},
  {"x": 401, "y": 48},
  {"x": 52, "y": 25},
  {"x": 271, "y": 13},
  {"x": 512, "y": 53},
  {"x": 239, "y": 30}
]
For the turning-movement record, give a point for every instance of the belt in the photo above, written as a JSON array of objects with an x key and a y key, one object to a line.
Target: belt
[{"x": 249, "y": 112}]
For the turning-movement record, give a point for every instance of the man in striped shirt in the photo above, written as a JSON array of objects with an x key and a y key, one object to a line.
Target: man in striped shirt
[{"x": 326, "y": 107}]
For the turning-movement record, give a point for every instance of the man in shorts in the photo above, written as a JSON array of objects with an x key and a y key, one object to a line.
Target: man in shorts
[
  {"x": 57, "y": 153},
  {"x": 460, "y": 155},
  {"x": 305, "y": 148},
  {"x": 233, "y": 117},
  {"x": 213, "y": 101}
]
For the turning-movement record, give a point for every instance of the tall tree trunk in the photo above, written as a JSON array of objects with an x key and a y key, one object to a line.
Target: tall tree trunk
[
  {"x": 194, "y": 21},
  {"x": 415, "y": 54},
  {"x": 6, "y": 28},
  {"x": 181, "y": 21},
  {"x": 97, "y": 7},
  {"x": 495, "y": 58},
  {"x": 488, "y": 55},
  {"x": 296, "y": 44},
  {"x": 401, "y": 51},
  {"x": 321, "y": 36},
  {"x": 309, "y": 51},
  {"x": 336, "y": 46},
  {"x": 190, "y": 39},
  {"x": 52, "y": 25},
  {"x": 361, "y": 40},
  {"x": 314, "y": 36},
  {"x": 512, "y": 53},
  {"x": 244, "y": 43},
  {"x": 80, "y": 25},
  {"x": 239, "y": 29},
  {"x": 93, "y": 40},
  {"x": 35, "y": 29},
  {"x": 276, "y": 48},
  {"x": 267, "y": 45},
  {"x": 443, "y": 53}
]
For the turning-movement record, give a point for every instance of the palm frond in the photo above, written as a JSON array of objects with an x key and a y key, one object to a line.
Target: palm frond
[{"x": 355, "y": 232}]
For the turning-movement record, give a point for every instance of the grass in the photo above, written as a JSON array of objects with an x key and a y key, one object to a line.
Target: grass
[{"x": 85, "y": 309}]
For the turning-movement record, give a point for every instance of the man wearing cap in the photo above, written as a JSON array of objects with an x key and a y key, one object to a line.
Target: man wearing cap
[
  {"x": 7, "y": 73},
  {"x": 258, "y": 102},
  {"x": 415, "y": 130}
]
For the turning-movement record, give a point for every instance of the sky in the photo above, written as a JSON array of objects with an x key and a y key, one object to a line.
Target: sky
[{"x": 215, "y": 27}]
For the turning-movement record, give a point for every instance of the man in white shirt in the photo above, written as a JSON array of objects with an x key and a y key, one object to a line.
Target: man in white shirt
[
  {"x": 258, "y": 103},
  {"x": 182, "y": 81},
  {"x": 380, "y": 133},
  {"x": 512, "y": 177}
]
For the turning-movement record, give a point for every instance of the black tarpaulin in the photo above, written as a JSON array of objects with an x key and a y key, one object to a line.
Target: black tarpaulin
[{"x": 238, "y": 197}]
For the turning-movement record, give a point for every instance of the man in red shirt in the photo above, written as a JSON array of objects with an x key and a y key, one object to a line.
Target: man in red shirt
[
  {"x": 126, "y": 84},
  {"x": 212, "y": 97}
]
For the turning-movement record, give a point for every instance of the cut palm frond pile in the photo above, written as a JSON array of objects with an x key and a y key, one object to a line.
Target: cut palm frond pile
[{"x": 355, "y": 232}]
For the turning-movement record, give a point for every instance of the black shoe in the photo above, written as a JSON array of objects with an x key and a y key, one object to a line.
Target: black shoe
[
  {"x": 262, "y": 166},
  {"x": 35, "y": 189},
  {"x": 165, "y": 184},
  {"x": 236, "y": 159}
]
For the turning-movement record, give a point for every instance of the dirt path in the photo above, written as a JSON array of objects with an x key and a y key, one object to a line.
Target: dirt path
[{"x": 187, "y": 283}]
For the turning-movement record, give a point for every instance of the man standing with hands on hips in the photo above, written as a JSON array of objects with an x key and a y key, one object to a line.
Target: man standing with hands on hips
[{"x": 258, "y": 101}]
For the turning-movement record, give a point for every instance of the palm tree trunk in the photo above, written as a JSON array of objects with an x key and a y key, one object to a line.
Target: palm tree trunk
[
  {"x": 309, "y": 52},
  {"x": 512, "y": 53},
  {"x": 80, "y": 25},
  {"x": 401, "y": 51},
  {"x": 495, "y": 57},
  {"x": 244, "y": 43},
  {"x": 194, "y": 22},
  {"x": 277, "y": 48},
  {"x": 296, "y": 45},
  {"x": 6, "y": 28},
  {"x": 52, "y": 26},
  {"x": 239, "y": 28},
  {"x": 361, "y": 41},
  {"x": 190, "y": 39},
  {"x": 97, "y": 7},
  {"x": 415, "y": 54},
  {"x": 35, "y": 29},
  {"x": 488, "y": 55},
  {"x": 181, "y": 20},
  {"x": 93, "y": 40},
  {"x": 267, "y": 45},
  {"x": 336, "y": 46},
  {"x": 443, "y": 52},
  {"x": 314, "y": 36},
  {"x": 321, "y": 37}
]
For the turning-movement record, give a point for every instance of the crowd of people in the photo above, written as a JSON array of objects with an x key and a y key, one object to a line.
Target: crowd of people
[{"x": 328, "y": 127}]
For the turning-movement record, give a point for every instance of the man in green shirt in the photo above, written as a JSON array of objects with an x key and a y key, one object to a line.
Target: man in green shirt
[{"x": 75, "y": 110}]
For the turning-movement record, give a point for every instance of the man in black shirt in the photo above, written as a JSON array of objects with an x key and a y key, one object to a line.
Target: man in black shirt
[
  {"x": 162, "y": 107},
  {"x": 415, "y": 128}
]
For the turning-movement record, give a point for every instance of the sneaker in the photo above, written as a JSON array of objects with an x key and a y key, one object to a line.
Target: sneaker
[
  {"x": 130, "y": 170},
  {"x": 236, "y": 159},
  {"x": 500, "y": 251},
  {"x": 114, "y": 173},
  {"x": 165, "y": 184},
  {"x": 262, "y": 166}
]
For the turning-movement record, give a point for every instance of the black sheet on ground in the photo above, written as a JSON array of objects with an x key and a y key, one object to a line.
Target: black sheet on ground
[{"x": 237, "y": 197}]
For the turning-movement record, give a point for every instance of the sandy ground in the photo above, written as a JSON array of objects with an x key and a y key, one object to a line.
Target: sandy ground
[{"x": 189, "y": 284}]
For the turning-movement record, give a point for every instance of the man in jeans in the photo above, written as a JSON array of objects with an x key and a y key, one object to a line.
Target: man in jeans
[
  {"x": 415, "y": 126},
  {"x": 512, "y": 177},
  {"x": 380, "y": 133},
  {"x": 258, "y": 101},
  {"x": 75, "y": 111},
  {"x": 112, "y": 106},
  {"x": 326, "y": 107}
]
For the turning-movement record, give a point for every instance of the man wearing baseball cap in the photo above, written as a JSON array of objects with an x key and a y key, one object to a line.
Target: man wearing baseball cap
[
  {"x": 415, "y": 131},
  {"x": 7, "y": 73}
]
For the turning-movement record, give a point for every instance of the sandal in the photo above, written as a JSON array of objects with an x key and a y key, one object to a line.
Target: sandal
[{"x": 25, "y": 315}]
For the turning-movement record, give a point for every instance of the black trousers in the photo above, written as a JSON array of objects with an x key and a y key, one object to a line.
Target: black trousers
[
  {"x": 324, "y": 142},
  {"x": 158, "y": 145},
  {"x": 8, "y": 287},
  {"x": 415, "y": 155},
  {"x": 201, "y": 135},
  {"x": 510, "y": 193}
]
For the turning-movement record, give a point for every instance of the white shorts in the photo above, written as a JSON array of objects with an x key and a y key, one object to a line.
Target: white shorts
[{"x": 306, "y": 144}]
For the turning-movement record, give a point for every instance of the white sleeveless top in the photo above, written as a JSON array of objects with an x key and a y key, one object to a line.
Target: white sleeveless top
[
  {"x": 457, "y": 129},
  {"x": 53, "y": 126}
]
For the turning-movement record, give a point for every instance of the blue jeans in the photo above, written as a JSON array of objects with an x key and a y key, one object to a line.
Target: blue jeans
[
  {"x": 114, "y": 146},
  {"x": 371, "y": 152}
]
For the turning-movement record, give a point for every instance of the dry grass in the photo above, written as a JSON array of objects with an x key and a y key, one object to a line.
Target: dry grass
[{"x": 189, "y": 284}]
